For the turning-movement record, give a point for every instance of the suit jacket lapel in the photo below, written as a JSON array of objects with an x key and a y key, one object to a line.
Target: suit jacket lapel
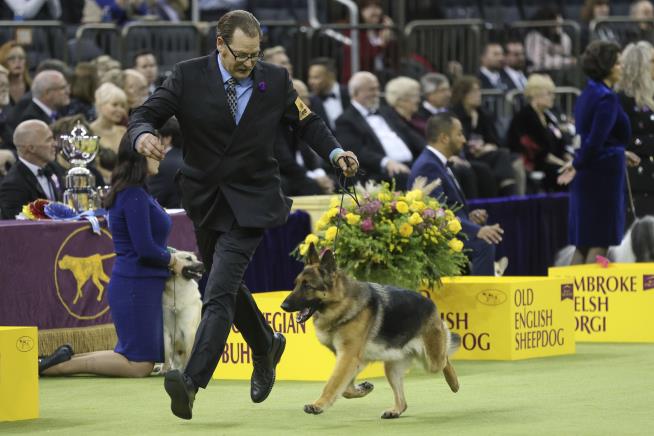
[
  {"x": 31, "y": 179},
  {"x": 369, "y": 132},
  {"x": 451, "y": 176},
  {"x": 217, "y": 90}
]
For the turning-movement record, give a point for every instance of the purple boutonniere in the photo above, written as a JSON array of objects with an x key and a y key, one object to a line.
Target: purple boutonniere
[{"x": 262, "y": 86}]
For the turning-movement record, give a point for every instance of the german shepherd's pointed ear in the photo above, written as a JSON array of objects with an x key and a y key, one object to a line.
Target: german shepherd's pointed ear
[
  {"x": 312, "y": 255},
  {"x": 328, "y": 262}
]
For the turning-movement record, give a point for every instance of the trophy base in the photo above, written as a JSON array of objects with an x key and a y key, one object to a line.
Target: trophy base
[{"x": 81, "y": 200}]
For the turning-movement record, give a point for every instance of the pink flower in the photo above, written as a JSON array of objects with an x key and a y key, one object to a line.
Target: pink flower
[
  {"x": 367, "y": 225},
  {"x": 428, "y": 213},
  {"x": 602, "y": 261}
]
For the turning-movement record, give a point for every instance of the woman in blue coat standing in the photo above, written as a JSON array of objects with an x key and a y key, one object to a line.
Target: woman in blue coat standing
[
  {"x": 140, "y": 229},
  {"x": 597, "y": 173}
]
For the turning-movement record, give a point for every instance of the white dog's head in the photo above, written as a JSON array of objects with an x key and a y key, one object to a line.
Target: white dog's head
[{"x": 193, "y": 268}]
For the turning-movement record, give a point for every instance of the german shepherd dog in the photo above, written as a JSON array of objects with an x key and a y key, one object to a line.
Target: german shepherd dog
[{"x": 363, "y": 322}]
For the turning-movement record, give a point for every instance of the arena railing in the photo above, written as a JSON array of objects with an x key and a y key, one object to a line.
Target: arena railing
[
  {"x": 444, "y": 41},
  {"x": 105, "y": 36},
  {"x": 170, "y": 42},
  {"x": 623, "y": 30},
  {"x": 41, "y": 39}
]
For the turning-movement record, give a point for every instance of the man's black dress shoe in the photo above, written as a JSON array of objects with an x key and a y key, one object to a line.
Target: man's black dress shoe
[
  {"x": 182, "y": 391},
  {"x": 263, "y": 375},
  {"x": 61, "y": 354}
]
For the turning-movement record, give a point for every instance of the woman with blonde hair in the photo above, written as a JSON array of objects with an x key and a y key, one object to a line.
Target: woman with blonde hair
[
  {"x": 534, "y": 132},
  {"x": 111, "y": 109},
  {"x": 14, "y": 59},
  {"x": 636, "y": 93}
]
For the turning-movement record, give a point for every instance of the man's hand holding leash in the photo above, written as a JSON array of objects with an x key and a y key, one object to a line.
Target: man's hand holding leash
[{"x": 347, "y": 162}]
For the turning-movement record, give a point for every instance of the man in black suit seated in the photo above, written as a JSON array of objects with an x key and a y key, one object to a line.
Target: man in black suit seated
[
  {"x": 491, "y": 72},
  {"x": 329, "y": 98},
  {"x": 50, "y": 94},
  {"x": 7, "y": 149},
  {"x": 162, "y": 185},
  {"x": 33, "y": 176},
  {"x": 377, "y": 136}
]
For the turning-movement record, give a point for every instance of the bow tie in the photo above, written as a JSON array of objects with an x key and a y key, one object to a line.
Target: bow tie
[
  {"x": 324, "y": 97},
  {"x": 371, "y": 113},
  {"x": 45, "y": 171}
]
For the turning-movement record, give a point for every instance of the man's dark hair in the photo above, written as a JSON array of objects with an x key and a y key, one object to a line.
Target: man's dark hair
[
  {"x": 599, "y": 58},
  {"x": 439, "y": 124},
  {"x": 140, "y": 53},
  {"x": 328, "y": 63},
  {"x": 57, "y": 65},
  {"x": 238, "y": 19}
]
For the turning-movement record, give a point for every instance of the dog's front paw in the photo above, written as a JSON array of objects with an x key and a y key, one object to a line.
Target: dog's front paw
[
  {"x": 390, "y": 414},
  {"x": 313, "y": 409}
]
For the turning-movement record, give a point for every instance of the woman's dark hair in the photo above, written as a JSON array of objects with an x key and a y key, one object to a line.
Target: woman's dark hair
[
  {"x": 598, "y": 59},
  {"x": 461, "y": 88},
  {"x": 131, "y": 170},
  {"x": 548, "y": 13},
  {"x": 85, "y": 82}
]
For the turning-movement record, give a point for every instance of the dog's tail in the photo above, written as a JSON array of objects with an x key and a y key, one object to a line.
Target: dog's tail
[{"x": 453, "y": 342}]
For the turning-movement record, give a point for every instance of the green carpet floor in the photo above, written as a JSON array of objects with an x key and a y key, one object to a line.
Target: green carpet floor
[{"x": 602, "y": 390}]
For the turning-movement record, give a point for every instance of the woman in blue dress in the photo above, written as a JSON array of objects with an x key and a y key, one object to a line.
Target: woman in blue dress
[
  {"x": 597, "y": 202},
  {"x": 140, "y": 229}
]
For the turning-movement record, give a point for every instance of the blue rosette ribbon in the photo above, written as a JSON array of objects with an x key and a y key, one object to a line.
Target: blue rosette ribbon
[{"x": 62, "y": 212}]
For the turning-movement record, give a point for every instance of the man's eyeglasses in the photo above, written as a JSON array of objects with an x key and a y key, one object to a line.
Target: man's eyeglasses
[{"x": 242, "y": 58}]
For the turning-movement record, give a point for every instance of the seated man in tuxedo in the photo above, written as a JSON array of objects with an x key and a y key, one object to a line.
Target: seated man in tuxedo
[
  {"x": 378, "y": 136},
  {"x": 33, "y": 176},
  {"x": 50, "y": 94},
  {"x": 329, "y": 98},
  {"x": 446, "y": 139},
  {"x": 491, "y": 71}
]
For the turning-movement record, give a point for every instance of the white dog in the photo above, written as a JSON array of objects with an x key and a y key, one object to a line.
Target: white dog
[
  {"x": 182, "y": 310},
  {"x": 636, "y": 246}
]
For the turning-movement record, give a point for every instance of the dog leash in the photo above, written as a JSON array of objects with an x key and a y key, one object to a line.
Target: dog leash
[
  {"x": 631, "y": 195},
  {"x": 343, "y": 186}
]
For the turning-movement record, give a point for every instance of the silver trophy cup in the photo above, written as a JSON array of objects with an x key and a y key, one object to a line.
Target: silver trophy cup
[{"x": 80, "y": 149}]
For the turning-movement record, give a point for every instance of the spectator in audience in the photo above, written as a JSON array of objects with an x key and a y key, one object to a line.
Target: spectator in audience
[
  {"x": 14, "y": 59},
  {"x": 403, "y": 96},
  {"x": 549, "y": 47},
  {"x": 7, "y": 157},
  {"x": 82, "y": 91},
  {"x": 140, "y": 229},
  {"x": 374, "y": 44},
  {"x": 122, "y": 11},
  {"x": 277, "y": 55},
  {"x": 111, "y": 108},
  {"x": 31, "y": 10},
  {"x": 145, "y": 62},
  {"x": 491, "y": 71},
  {"x": 162, "y": 185},
  {"x": 212, "y": 10},
  {"x": 135, "y": 86},
  {"x": 375, "y": 136},
  {"x": 300, "y": 167},
  {"x": 445, "y": 138},
  {"x": 50, "y": 94},
  {"x": 168, "y": 10},
  {"x": 636, "y": 93},
  {"x": 329, "y": 98},
  {"x": 644, "y": 31},
  {"x": 437, "y": 93},
  {"x": 479, "y": 129},
  {"x": 64, "y": 126},
  {"x": 597, "y": 203},
  {"x": 33, "y": 176},
  {"x": 590, "y": 13},
  {"x": 105, "y": 64},
  {"x": 534, "y": 133},
  {"x": 515, "y": 64}
]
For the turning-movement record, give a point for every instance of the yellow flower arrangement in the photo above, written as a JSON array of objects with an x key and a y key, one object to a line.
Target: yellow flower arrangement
[{"x": 401, "y": 238}]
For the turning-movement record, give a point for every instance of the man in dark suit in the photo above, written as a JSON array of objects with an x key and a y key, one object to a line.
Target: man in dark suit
[
  {"x": 230, "y": 106},
  {"x": 329, "y": 98},
  {"x": 50, "y": 94},
  {"x": 491, "y": 72},
  {"x": 33, "y": 176},
  {"x": 379, "y": 138},
  {"x": 446, "y": 139}
]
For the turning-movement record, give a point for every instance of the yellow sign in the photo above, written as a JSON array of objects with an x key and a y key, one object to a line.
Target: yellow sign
[
  {"x": 19, "y": 380},
  {"x": 613, "y": 304},
  {"x": 304, "y": 358},
  {"x": 506, "y": 318}
]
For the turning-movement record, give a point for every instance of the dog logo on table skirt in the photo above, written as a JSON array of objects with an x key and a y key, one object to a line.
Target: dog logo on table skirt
[
  {"x": 182, "y": 311},
  {"x": 81, "y": 273},
  {"x": 364, "y": 322}
]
